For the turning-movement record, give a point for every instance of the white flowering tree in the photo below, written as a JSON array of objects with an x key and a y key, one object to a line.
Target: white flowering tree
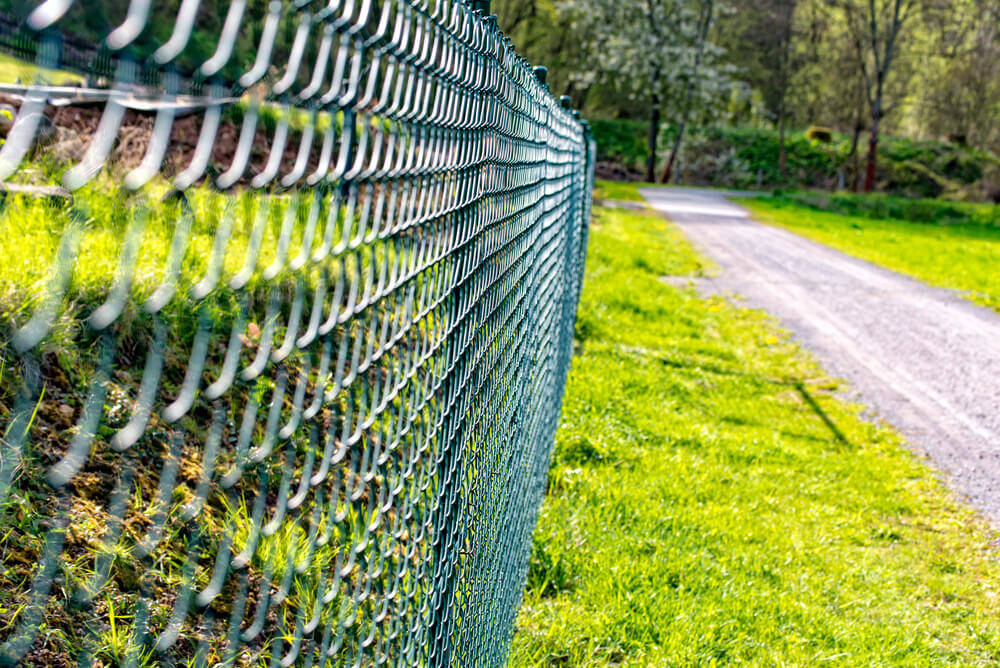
[{"x": 658, "y": 52}]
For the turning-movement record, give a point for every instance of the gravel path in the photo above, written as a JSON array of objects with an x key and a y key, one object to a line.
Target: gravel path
[{"x": 923, "y": 359}]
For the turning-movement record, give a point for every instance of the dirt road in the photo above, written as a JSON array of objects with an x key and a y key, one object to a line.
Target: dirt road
[{"x": 923, "y": 359}]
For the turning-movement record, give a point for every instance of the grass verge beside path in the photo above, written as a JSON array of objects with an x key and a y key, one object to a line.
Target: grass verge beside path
[
  {"x": 960, "y": 255},
  {"x": 711, "y": 500},
  {"x": 14, "y": 69},
  {"x": 621, "y": 191},
  {"x": 628, "y": 191}
]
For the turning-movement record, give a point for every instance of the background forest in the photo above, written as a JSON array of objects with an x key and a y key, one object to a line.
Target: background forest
[
  {"x": 894, "y": 95},
  {"x": 900, "y": 96}
]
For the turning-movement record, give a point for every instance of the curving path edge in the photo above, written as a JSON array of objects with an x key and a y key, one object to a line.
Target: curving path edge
[{"x": 923, "y": 359}]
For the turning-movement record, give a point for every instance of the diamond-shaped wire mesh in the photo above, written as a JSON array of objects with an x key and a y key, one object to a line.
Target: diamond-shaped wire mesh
[{"x": 286, "y": 321}]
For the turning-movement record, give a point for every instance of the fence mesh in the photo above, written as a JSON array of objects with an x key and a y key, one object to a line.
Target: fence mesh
[{"x": 287, "y": 298}]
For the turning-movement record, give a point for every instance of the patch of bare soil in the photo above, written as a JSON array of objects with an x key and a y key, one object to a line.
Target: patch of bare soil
[{"x": 75, "y": 126}]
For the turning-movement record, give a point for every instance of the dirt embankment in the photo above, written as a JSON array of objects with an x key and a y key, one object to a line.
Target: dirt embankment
[{"x": 70, "y": 130}]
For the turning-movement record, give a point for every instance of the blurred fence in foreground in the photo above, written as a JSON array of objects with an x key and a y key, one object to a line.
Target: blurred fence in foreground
[{"x": 287, "y": 316}]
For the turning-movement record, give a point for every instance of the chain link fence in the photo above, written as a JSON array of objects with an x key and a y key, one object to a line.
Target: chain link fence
[{"x": 287, "y": 294}]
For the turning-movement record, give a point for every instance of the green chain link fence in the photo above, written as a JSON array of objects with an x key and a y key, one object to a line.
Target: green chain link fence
[{"x": 284, "y": 388}]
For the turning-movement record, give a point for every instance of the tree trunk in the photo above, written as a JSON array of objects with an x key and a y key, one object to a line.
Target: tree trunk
[
  {"x": 852, "y": 157},
  {"x": 883, "y": 64},
  {"x": 782, "y": 155},
  {"x": 668, "y": 171},
  {"x": 872, "y": 160},
  {"x": 654, "y": 131},
  {"x": 705, "y": 23},
  {"x": 873, "y": 145},
  {"x": 783, "y": 65}
]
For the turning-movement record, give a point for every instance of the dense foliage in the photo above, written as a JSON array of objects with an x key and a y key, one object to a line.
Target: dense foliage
[
  {"x": 748, "y": 157},
  {"x": 776, "y": 64},
  {"x": 645, "y": 72},
  {"x": 887, "y": 207}
]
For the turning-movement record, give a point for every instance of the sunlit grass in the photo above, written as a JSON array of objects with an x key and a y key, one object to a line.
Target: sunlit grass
[
  {"x": 628, "y": 191},
  {"x": 958, "y": 255},
  {"x": 31, "y": 230},
  {"x": 617, "y": 190},
  {"x": 13, "y": 69},
  {"x": 713, "y": 500}
]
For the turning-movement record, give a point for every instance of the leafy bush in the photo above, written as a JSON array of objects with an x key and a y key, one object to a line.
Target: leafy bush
[
  {"x": 744, "y": 157},
  {"x": 820, "y": 134},
  {"x": 621, "y": 141},
  {"x": 756, "y": 152},
  {"x": 880, "y": 206}
]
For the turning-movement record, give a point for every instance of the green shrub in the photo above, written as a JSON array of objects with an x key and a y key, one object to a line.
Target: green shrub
[
  {"x": 734, "y": 157},
  {"x": 820, "y": 134},
  {"x": 621, "y": 141},
  {"x": 737, "y": 156},
  {"x": 880, "y": 206}
]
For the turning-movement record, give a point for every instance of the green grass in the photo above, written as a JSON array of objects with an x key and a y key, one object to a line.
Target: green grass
[
  {"x": 617, "y": 190},
  {"x": 104, "y": 216},
  {"x": 31, "y": 229},
  {"x": 878, "y": 206},
  {"x": 712, "y": 500},
  {"x": 964, "y": 256},
  {"x": 13, "y": 69}
]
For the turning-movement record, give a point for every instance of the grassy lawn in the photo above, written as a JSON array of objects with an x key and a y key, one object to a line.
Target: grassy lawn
[
  {"x": 628, "y": 191},
  {"x": 960, "y": 255},
  {"x": 713, "y": 501},
  {"x": 13, "y": 69},
  {"x": 617, "y": 190},
  {"x": 99, "y": 218}
]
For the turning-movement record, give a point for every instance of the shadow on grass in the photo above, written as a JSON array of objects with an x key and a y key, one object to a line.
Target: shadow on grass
[
  {"x": 793, "y": 383},
  {"x": 818, "y": 410}
]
